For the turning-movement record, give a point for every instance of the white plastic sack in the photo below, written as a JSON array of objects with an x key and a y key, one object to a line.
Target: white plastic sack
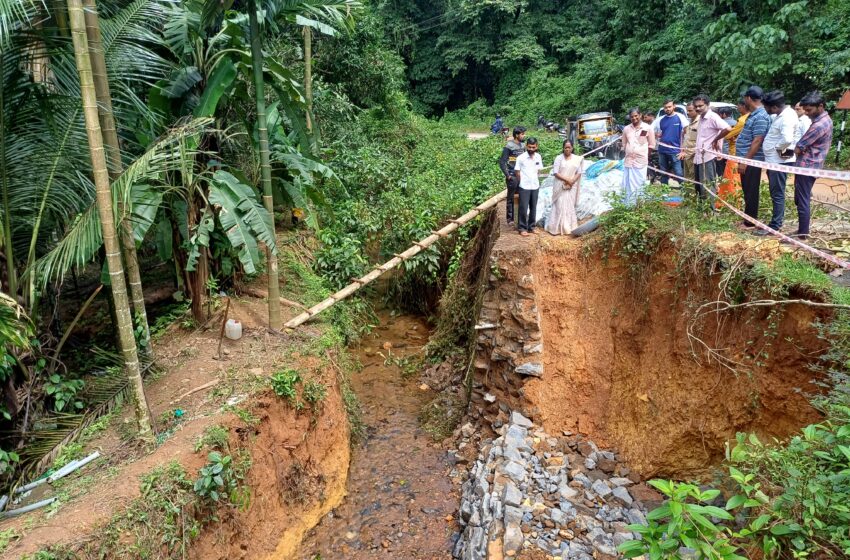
[
  {"x": 593, "y": 198},
  {"x": 595, "y": 194},
  {"x": 544, "y": 201}
]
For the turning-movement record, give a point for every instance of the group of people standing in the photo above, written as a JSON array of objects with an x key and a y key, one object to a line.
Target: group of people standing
[
  {"x": 690, "y": 148},
  {"x": 768, "y": 130},
  {"x": 522, "y": 166}
]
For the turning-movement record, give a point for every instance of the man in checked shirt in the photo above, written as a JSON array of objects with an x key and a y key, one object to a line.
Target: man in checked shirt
[{"x": 811, "y": 153}]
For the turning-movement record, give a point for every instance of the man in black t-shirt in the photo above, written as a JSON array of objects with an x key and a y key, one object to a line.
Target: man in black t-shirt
[{"x": 513, "y": 149}]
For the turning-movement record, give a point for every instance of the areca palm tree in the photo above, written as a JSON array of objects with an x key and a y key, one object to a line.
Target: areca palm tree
[
  {"x": 322, "y": 14},
  {"x": 105, "y": 212},
  {"x": 113, "y": 147},
  {"x": 44, "y": 166}
]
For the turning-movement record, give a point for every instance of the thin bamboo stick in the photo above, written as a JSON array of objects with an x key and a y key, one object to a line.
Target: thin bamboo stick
[{"x": 415, "y": 249}]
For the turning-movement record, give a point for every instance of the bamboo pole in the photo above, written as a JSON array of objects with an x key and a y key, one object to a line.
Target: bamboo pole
[
  {"x": 416, "y": 248},
  {"x": 265, "y": 165},
  {"x": 116, "y": 167},
  {"x": 100, "y": 173}
]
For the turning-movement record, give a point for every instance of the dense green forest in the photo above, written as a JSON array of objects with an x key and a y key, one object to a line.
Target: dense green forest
[
  {"x": 151, "y": 142},
  {"x": 527, "y": 57}
]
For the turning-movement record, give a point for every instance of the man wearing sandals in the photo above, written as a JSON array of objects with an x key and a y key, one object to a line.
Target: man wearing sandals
[{"x": 527, "y": 169}]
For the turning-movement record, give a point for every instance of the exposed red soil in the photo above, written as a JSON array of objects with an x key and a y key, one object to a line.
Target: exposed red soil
[
  {"x": 188, "y": 359},
  {"x": 298, "y": 473},
  {"x": 619, "y": 366}
]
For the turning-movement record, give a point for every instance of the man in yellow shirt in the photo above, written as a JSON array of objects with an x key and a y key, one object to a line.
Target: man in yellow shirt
[{"x": 739, "y": 126}]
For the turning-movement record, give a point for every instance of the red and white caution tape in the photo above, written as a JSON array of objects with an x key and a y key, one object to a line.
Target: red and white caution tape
[
  {"x": 784, "y": 167},
  {"x": 797, "y": 243}
]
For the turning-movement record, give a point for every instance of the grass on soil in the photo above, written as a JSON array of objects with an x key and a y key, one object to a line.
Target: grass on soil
[{"x": 175, "y": 504}]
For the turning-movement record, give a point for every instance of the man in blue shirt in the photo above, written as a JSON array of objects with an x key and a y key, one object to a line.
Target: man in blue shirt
[
  {"x": 670, "y": 129},
  {"x": 749, "y": 145}
]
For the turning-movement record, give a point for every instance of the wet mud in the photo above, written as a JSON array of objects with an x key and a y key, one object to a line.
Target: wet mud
[{"x": 401, "y": 499}]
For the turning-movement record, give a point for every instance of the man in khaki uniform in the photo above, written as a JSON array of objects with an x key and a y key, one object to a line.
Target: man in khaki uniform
[{"x": 690, "y": 143}]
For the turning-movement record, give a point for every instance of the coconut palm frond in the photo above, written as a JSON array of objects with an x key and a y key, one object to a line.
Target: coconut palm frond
[
  {"x": 103, "y": 392},
  {"x": 16, "y": 15},
  {"x": 325, "y": 16},
  {"x": 84, "y": 238},
  {"x": 131, "y": 40},
  {"x": 43, "y": 162},
  {"x": 15, "y": 326}
]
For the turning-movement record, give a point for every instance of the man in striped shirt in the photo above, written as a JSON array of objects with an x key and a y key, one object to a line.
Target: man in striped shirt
[
  {"x": 749, "y": 145},
  {"x": 811, "y": 153}
]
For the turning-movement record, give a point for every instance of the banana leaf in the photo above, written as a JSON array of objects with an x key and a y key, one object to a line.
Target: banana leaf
[{"x": 245, "y": 221}]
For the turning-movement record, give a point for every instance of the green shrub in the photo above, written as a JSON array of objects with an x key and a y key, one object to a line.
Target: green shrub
[
  {"x": 64, "y": 392},
  {"x": 218, "y": 479},
  {"x": 214, "y": 437},
  {"x": 314, "y": 392},
  {"x": 683, "y": 521},
  {"x": 789, "y": 501},
  {"x": 284, "y": 382}
]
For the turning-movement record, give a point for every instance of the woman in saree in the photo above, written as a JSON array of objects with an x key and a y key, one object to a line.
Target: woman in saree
[{"x": 565, "y": 192}]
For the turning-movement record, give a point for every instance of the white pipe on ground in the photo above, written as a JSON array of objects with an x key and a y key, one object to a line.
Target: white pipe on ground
[
  {"x": 71, "y": 467},
  {"x": 25, "y": 509}
]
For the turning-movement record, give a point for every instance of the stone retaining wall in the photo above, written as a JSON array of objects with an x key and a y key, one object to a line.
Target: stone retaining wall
[
  {"x": 509, "y": 344},
  {"x": 560, "y": 495}
]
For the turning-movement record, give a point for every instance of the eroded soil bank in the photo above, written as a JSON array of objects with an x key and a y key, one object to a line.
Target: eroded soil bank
[
  {"x": 582, "y": 345},
  {"x": 400, "y": 498}
]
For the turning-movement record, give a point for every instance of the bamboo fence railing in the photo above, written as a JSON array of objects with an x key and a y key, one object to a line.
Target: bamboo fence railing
[{"x": 415, "y": 249}]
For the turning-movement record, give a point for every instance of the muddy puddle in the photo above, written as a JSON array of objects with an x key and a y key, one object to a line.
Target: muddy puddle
[{"x": 400, "y": 495}]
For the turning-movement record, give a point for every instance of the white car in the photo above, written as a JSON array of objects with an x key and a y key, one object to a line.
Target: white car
[{"x": 715, "y": 105}]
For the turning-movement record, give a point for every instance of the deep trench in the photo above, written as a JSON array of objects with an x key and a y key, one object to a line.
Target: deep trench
[
  {"x": 618, "y": 367},
  {"x": 399, "y": 490},
  {"x": 621, "y": 357}
]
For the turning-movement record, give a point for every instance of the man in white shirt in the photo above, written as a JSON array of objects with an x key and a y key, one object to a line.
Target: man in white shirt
[
  {"x": 638, "y": 138},
  {"x": 527, "y": 169},
  {"x": 804, "y": 123},
  {"x": 779, "y": 143}
]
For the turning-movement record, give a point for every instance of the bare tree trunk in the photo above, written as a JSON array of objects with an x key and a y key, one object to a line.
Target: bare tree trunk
[
  {"x": 265, "y": 166},
  {"x": 11, "y": 272},
  {"x": 113, "y": 150},
  {"x": 308, "y": 74},
  {"x": 107, "y": 219}
]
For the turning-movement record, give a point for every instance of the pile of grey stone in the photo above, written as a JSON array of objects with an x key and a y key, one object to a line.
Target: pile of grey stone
[{"x": 563, "y": 496}]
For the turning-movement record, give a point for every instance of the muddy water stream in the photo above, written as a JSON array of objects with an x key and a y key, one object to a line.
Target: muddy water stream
[{"x": 399, "y": 490}]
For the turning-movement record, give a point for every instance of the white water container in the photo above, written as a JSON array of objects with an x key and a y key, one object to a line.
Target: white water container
[{"x": 233, "y": 329}]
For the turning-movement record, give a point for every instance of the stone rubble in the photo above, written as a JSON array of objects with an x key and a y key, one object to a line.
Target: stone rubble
[{"x": 563, "y": 496}]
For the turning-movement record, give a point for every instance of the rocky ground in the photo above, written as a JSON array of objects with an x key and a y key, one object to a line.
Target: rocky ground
[{"x": 532, "y": 495}]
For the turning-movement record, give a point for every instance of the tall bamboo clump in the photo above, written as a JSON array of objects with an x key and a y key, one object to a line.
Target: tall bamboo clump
[
  {"x": 113, "y": 148},
  {"x": 265, "y": 165},
  {"x": 104, "y": 207}
]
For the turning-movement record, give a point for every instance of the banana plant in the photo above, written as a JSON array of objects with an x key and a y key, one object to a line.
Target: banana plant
[
  {"x": 221, "y": 62},
  {"x": 244, "y": 220}
]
